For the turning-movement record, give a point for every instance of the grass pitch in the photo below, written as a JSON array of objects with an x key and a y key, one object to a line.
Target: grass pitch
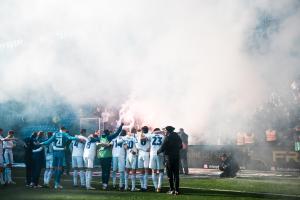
[{"x": 192, "y": 188}]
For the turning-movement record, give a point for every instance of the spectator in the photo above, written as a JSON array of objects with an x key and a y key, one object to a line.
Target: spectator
[
  {"x": 183, "y": 152},
  {"x": 229, "y": 166}
]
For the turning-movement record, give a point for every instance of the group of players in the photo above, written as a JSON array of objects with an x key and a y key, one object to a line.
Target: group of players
[{"x": 134, "y": 154}]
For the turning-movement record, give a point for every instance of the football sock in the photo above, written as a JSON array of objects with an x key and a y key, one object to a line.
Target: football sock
[
  {"x": 121, "y": 179},
  {"x": 49, "y": 175},
  {"x": 154, "y": 179},
  {"x": 133, "y": 177},
  {"x": 114, "y": 178},
  {"x": 8, "y": 175},
  {"x": 45, "y": 176},
  {"x": 75, "y": 177},
  {"x": 126, "y": 180},
  {"x": 160, "y": 179},
  {"x": 141, "y": 176},
  {"x": 146, "y": 180},
  {"x": 82, "y": 178}
]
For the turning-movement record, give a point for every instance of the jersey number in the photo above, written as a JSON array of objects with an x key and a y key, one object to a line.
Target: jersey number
[
  {"x": 88, "y": 145},
  {"x": 143, "y": 142},
  {"x": 58, "y": 142},
  {"x": 76, "y": 144},
  {"x": 130, "y": 144},
  {"x": 157, "y": 141}
]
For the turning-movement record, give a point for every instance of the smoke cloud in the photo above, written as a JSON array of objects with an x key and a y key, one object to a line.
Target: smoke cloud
[{"x": 201, "y": 65}]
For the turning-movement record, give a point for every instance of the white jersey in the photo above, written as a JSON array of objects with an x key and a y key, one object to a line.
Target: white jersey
[
  {"x": 118, "y": 149},
  {"x": 90, "y": 147},
  {"x": 156, "y": 140},
  {"x": 78, "y": 148},
  {"x": 131, "y": 143},
  {"x": 8, "y": 144},
  {"x": 49, "y": 150},
  {"x": 143, "y": 145}
]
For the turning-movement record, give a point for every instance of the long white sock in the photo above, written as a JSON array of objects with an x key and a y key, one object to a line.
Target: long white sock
[
  {"x": 121, "y": 179},
  {"x": 87, "y": 183},
  {"x": 126, "y": 180},
  {"x": 45, "y": 176},
  {"x": 154, "y": 179},
  {"x": 133, "y": 177},
  {"x": 82, "y": 178},
  {"x": 90, "y": 177},
  {"x": 141, "y": 176},
  {"x": 160, "y": 179},
  {"x": 146, "y": 180},
  {"x": 75, "y": 177},
  {"x": 114, "y": 178}
]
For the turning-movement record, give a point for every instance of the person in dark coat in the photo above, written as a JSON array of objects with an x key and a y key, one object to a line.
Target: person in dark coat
[
  {"x": 229, "y": 166},
  {"x": 28, "y": 157},
  {"x": 171, "y": 148},
  {"x": 38, "y": 159}
]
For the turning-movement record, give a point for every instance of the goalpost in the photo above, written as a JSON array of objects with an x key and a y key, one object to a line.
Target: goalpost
[{"x": 91, "y": 124}]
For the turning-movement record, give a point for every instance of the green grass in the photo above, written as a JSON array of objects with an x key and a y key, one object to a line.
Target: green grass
[{"x": 192, "y": 188}]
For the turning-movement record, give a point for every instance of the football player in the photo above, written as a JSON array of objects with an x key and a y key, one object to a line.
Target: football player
[
  {"x": 49, "y": 161},
  {"x": 77, "y": 160},
  {"x": 156, "y": 160},
  {"x": 143, "y": 157},
  {"x": 8, "y": 145},
  {"x": 118, "y": 160},
  {"x": 89, "y": 154},
  {"x": 131, "y": 160},
  {"x": 60, "y": 140}
]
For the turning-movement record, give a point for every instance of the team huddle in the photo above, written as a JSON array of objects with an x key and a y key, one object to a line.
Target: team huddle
[{"x": 132, "y": 154}]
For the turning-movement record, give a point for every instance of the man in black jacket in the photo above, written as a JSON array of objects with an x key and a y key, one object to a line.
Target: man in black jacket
[
  {"x": 171, "y": 148},
  {"x": 28, "y": 157},
  {"x": 229, "y": 166}
]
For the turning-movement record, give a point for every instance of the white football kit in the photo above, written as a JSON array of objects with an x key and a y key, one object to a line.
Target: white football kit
[
  {"x": 77, "y": 154},
  {"x": 144, "y": 154},
  {"x": 89, "y": 152},
  {"x": 131, "y": 152},
  {"x": 156, "y": 140},
  {"x": 8, "y": 153},
  {"x": 118, "y": 153}
]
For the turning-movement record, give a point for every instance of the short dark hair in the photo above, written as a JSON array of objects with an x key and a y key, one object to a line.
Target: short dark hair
[
  {"x": 1, "y": 129},
  {"x": 11, "y": 132},
  {"x": 156, "y": 129},
  {"x": 83, "y": 130},
  {"x": 145, "y": 129},
  {"x": 63, "y": 128}
]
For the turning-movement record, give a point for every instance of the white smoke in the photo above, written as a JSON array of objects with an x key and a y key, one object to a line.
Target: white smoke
[{"x": 201, "y": 65}]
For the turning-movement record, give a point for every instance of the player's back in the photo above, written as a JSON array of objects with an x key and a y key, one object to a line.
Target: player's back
[
  {"x": 143, "y": 144},
  {"x": 156, "y": 141},
  {"x": 118, "y": 148},
  {"x": 60, "y": 140},
  {"x": 78, "y": 148},
  {"x": 90, "y": 147},
  {"x": 131, "y": 142}
]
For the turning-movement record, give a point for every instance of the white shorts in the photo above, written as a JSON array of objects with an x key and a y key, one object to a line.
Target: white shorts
[
  {"x": 131, "y": 161},
  {"x": 156, "y": 162},
  {"x": 118, "y": 163},
  {"x": 77, "y": 161},
  {"x": 143, "y": 160},
  {"x": 8, "y": 156},
  {"x": 88, "y": 162},
  {"x": 49, "y": 161}
]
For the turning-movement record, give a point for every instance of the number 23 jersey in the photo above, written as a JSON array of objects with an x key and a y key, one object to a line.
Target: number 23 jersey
[{"x": 156, "y": 140}]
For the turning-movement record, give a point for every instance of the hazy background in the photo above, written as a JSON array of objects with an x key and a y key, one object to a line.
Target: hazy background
[{"x": 205, "y": 66}]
